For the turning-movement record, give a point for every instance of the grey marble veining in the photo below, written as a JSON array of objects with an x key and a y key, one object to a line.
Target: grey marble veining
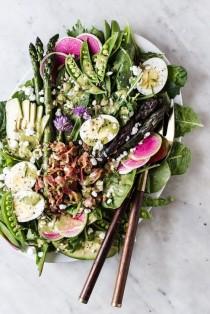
[{"x": 170, "y": 268}]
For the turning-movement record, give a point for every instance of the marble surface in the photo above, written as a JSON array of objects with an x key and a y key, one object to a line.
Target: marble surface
[{"x": 170, "y": 268}]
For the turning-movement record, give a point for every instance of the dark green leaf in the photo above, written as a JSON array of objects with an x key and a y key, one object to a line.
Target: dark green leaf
[
  {"x": 158, "y": 177},
  {"x": 76, "y": 30},
  {"x": 177, "y": 77},
  {"x": 2, "y": 119},
  {"x": 185, "y": 120},
  {"x": 155, "y": 202},
  {"x": 117, "y": 187},
  {"x": 147, "y": 55},
  {"x": 122, "y": 67},
  {"x": 98, "y": 33},
  {"x": 179, "y": 158}
]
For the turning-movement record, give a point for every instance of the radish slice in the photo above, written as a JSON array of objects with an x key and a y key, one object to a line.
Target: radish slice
[
  {"x": 161, "y": 153},
  {"x": 60, "y": 58},
  {"x": 123, "y": 170},
  {"x": 134, "y": 164},
  {"x": 68, "y": 45},
  {"x": 69, "y": 227},
  {"x": 94, "y": 43},
  {"x": 154, "y": 76},
  {"x": 149, "y": 147}
]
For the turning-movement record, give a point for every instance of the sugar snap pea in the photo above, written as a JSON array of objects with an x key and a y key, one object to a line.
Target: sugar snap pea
[
  {"x": 5, "y": 232},
  {"x": 115, "y": 28},
  {"x": 101, "y": 59},
  {"x": 86, "y": 63},
  {"x": 82, "y": 79},
  {"x": 10, "y": 220},
  {"x": 107, "y": 30}
]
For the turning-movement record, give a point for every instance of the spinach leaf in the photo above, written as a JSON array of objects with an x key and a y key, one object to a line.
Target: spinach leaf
[
  {"x": 155, "y": 202},
  {"x": 179, "y": 158},
  {"x": 122, "y": 68},
  {"x": 185, "y": 120},
  {"x": 177, "y": 77},
  {"x": 158, "y": 177},
  {"x": 2, "y": 119},
  {"x": 98, "y": 33},
  {"x": 147, "y": 55},
  {"x": 116, "y": 188},
  {"x": 6, "y": 160},
  {"x": 77, "y": 29},
  {"x": 129, "y": 44}
]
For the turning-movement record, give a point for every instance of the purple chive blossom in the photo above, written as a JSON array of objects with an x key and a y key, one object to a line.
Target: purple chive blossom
[
  {"x": 81, "y": 112},
  {"x": 62, "y": 123}
]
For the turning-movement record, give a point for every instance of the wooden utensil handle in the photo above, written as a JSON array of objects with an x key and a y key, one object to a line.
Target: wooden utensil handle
[
  {"x": 102, "y": 254},
  {"x": 129, "y": 243}
]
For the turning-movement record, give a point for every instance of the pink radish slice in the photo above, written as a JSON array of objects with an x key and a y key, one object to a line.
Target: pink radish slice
[
  {"x": 57, "y": 54},
  {"x": 147, "y": 148},
  {"x": 134, "y": 164},
  {"x": 68, "y": 45},
  {"x": 51, "y": 235},
  {"x": 123, "y": 170},
  {"x": 93, "y": 42},
  {"x": 69, "y": 226}
]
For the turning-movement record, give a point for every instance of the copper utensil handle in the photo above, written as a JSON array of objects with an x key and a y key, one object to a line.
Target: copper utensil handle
[
  {"x": 102, "y": 254},
  {"x": 129, "y": 243}
]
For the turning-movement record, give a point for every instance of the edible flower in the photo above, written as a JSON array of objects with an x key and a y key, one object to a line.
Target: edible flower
[
  {"x": 82, "y": 112},
  {"x": 62, "y": 123}
]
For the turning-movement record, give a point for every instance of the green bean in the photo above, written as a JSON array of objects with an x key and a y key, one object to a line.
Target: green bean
[{"x": 41, "y": 260}]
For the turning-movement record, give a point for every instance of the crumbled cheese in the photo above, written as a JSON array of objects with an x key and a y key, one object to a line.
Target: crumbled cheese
[
  {"x": 125, "y": 153},
  {"x": 99, "y": 185},
  {"x": 32, "y": 97},
  {"x": 134, "y": 130},
  {"x": 109, "y": 201},
  {"x": 80, "y": 142},
  {"x": 109, "y": 73},
  {"x": 32, "y": 160},
  {"x": 146, "y": 134},
  {"x": 41, "y": 99},
  {"x": 89, "y": 231},
  {"x": 41, "y": 93},
  {"x": 136, "y": 70},
  {"x": 29, "y": 91},
  {"x": 54, "y": 91},
  {"x": 58, "y": 112},
  {"x": 94, "y": 102},
  {"x": 101, "y": 235},
  {"x": 40, "y": 254},
  {"x": 94, "y": 194},
  {"x": 127, "y": 138},
  {"x": 29, "y": 131},
  {"x": 93, "y": 161},
  {"x": 87, "y": 210},
  {"x": 62, "y": 206},
  {"x": 13, "y": 143}
]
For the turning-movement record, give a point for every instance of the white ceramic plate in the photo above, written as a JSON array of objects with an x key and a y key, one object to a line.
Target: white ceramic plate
[{"x": 53, "y": 257}]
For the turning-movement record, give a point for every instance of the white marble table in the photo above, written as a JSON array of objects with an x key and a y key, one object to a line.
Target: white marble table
[{"x": 170, "y": 271}]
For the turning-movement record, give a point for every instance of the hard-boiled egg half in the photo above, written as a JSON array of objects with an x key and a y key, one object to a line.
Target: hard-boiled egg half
[
  {"x": 100, "y": 129},
  {"x": 154, "y": 76}
]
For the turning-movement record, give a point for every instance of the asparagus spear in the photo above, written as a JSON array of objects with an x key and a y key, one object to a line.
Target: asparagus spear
[
  {"x": 51, "y": 43},
  {"x": 48, "y": 100},
  {"x": 113, "y": 150},
  {"x": 38, "y": 83},
  {"x": 40, "y": 49}
]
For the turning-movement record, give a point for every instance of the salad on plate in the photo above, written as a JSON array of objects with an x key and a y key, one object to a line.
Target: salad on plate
[{"x": 75, "y": 135}]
